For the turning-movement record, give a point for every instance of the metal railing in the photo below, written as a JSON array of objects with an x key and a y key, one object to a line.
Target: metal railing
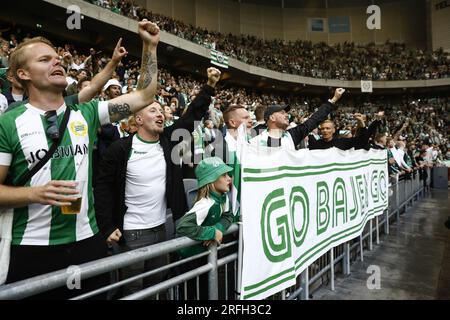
[{"x": 221, "y": 270}]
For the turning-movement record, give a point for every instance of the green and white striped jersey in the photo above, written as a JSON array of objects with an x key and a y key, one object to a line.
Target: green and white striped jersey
[{"x": 23, "y": 142}]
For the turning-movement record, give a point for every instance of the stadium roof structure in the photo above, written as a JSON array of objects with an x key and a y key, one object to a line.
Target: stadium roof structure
[{"x": 319, "y": 4}]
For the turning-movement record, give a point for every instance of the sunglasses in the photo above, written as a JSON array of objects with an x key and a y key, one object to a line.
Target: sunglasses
[{"x": 52, "y": 130}]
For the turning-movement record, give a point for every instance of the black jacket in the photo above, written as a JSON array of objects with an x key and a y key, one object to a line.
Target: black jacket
[
  {"x": 8, "y": 95},
  {"x": 298, "y": 133},
  {"x": 301, "y": 131},
  {"x": 109, "y": 191},
  {"x": 356, "y": 142}
]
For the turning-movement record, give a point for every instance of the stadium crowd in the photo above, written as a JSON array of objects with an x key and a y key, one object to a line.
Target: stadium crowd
[
  {"x": 346, "y": 61},
  {"x": 145, "y": 106},
  {"x": 419, "y": 120}
]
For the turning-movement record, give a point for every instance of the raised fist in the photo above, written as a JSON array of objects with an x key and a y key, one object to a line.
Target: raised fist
[
  {"x": 149, "y": 32},
  {"x": 213, "y": 76}
]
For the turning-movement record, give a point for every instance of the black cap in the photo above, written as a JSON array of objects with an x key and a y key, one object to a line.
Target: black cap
[{"x": 275, "y": 108}]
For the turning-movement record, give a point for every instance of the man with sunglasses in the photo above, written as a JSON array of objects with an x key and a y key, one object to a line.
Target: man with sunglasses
[{"x": 44, "y": 239}]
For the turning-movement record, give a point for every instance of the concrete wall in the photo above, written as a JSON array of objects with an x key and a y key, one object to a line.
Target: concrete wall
[
  {"x": 161, "y": 6},
  {"x": 184, "y": 10},
  {"x": 207, "y": 14},
  {"x": 403, "y": 20},
  {"x": 131, "y": 25},
  {"x": 230, "y": 17},
  {"x": 440, "y": 25},
  {"x": 251, "y": 20}
]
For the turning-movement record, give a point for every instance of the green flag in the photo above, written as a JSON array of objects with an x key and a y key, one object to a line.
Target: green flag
[{"x": 219, "y": 59}]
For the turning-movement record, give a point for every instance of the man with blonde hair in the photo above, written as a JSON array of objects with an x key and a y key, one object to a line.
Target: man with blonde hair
[{"x": 44, "y": 239}]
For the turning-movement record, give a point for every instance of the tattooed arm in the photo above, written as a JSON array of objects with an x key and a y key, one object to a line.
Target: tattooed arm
[{"x": 127, "y": 104}]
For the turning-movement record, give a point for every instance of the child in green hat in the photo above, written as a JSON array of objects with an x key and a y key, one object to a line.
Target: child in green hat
[{"x": 211, "y": 214}]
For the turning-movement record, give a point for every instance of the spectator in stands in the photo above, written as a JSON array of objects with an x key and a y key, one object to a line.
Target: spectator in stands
[
  {"x": 4, "y": 54},
  {"x": 112, "y": 89},
  {"x": 397, "y": 150},
  {"x": 138, "y": 180},
  {"x": 130, "y": 85},
  {"x": 44, "y": 239},
  {"x": 328, "y": 139},
  {"x": 234, "y": 116},
  {"x": 84, "y": 83},
  {"x": 411, "y": 150},
  {"x": 72, "y": 77},
  {"x": 89, "y": 91},
  {"x": 16, "y": 93},
  {"x": 393, "y": 169},
  {"x": 344, "y": 61},
  {"x": 72, "y": 89},
  {"x": 423, "y": 165},
  {"x": 211, "y": 214},
  {"x": 260, "y": 123},
  {"x": 216, "y": 114},
  {"x": 277, "y": 120},
  {"x": 110, "y": 132},
  {"x": 209, "y": 132},
  {"x": 168, "y": 116},
  {"x": 380, "y": 142}
]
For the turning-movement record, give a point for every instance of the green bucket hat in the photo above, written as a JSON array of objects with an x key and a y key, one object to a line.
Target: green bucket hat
[{"x": 209, "y": 170}]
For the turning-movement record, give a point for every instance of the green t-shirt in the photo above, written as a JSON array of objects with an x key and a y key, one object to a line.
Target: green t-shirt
[{"x": 23, "y": 142}]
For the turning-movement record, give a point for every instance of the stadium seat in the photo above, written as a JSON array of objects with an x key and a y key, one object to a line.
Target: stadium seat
[{"x": 190, "y": 189}]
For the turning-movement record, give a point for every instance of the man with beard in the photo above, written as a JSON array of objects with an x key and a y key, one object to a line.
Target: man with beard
[
  {"x": 277, "y": 119},
  {"x": 138, "y": 180},
  {"x": 328, "y": 140},
  {"x": 44, "y": 237}
]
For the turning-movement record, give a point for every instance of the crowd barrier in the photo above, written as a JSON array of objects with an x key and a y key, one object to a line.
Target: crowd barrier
[{"x": 221, "y": 268}]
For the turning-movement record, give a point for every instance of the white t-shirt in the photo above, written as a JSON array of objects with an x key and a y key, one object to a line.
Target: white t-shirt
[
  {"x": 17, "y": 97},
  {"x": 3, "y": 103},
  {"x": 145, "y": 188},
  {"x": 78, "y": 66},
  {"x": 70, "y": 80},
  {"x": 231, "y": 142}
]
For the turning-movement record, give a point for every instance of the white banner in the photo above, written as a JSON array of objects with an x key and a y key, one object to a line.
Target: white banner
[
  {"x": 366, "y": 86},
  {"x": 297, "y": 205}
]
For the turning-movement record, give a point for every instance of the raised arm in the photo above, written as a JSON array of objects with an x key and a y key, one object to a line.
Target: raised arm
[
  {"x": 67, "y": 60},
  {"x": 373, "y": 127},
  {"x": 399, "y": 132},
  {"x": 301, "y": 131},
  {"x": 199, "y": 106},
  {"x": 127, "y": 104},
  {"x": 97, "y": 83}
]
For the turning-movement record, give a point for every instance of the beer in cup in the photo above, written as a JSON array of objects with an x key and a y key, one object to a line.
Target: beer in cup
[{"x": 75, "y": 206}]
